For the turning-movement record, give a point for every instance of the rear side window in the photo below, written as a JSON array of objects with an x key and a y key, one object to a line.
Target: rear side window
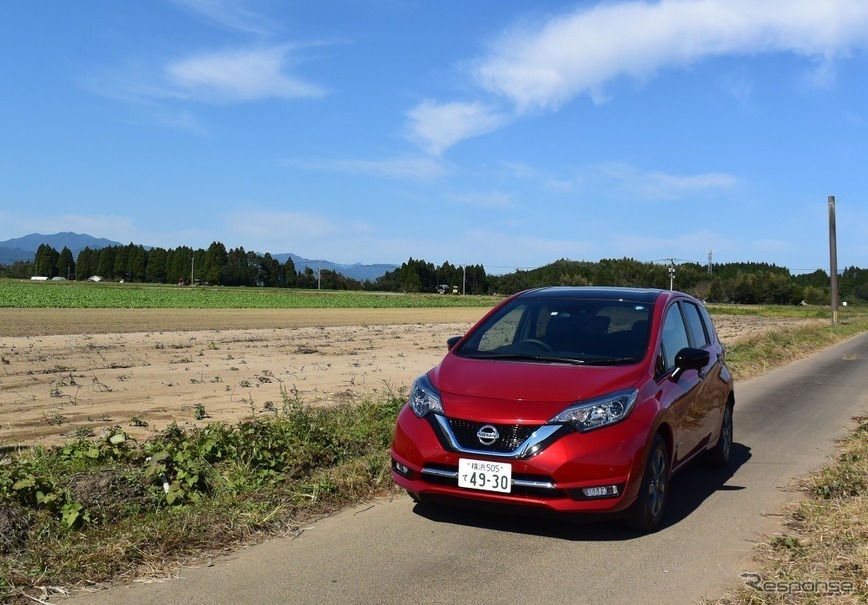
[
  {"x": 712, "y": 333},
  {"x": 674, "y": 336},
  {"x": 697, "y": 326}
]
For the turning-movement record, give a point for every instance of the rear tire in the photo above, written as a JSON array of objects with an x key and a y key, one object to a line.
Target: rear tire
[
  {"x": 720, "y": 455},
  {"x": 646, "y": 513}
]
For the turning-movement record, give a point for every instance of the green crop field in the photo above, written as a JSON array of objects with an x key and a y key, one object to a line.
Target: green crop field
[{"x": 79, "y": 295}]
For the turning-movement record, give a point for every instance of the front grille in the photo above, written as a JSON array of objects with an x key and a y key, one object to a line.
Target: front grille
[{"x": 511, "y": 435}]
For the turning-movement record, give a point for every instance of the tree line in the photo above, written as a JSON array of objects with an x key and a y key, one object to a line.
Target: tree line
[
  {"x": 739, "y": 283},
  {"x": 742, "y": 283}
]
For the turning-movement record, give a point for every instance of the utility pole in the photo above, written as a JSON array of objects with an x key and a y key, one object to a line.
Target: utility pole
[
  {"x": 192, "y": 267},
  {"x": 464, "y": 280},
  {"x": 833, "y": 259}
]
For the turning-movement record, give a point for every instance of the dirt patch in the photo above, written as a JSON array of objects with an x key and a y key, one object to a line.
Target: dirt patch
[
  {"x": 77, "y": 372},
  {"x": 14, "y": 527},
  {"x": 105, "y": 494},
  {"x": 82, "y": 371}
]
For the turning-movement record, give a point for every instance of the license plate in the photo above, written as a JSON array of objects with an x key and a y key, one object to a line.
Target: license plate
[{"x": 488, "y": 476}]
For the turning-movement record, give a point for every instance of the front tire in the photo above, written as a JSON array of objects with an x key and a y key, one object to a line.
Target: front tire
[{"x": 646, "y": 513}]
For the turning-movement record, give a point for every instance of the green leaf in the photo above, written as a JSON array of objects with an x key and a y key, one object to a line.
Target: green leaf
[
  {"x": 29, "y": 481},
  {"x": 159, "y": 456}
]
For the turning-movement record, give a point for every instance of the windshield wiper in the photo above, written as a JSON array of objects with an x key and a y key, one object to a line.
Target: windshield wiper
[
  {"x": 527, "y": 357},
  {"x": 608, "y": 361}
]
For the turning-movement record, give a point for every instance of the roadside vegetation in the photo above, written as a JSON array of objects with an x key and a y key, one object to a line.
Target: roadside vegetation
[
  {"x": 755, "y": 355},
  {"x": 94, "y": 510},
  {"x": 98, "y": 509}
]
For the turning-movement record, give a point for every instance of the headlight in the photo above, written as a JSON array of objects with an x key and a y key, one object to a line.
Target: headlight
[
  {"x": 424, "y": 398},
  {"x": 598, "y": 412}
]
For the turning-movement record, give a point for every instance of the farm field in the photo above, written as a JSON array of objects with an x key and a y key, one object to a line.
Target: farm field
[{"x": 76, "y": 372}]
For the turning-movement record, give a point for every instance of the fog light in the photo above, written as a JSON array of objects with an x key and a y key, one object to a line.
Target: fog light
[
  {"x": 402, "y": 469},
  {"x": 604, "y": 491}
]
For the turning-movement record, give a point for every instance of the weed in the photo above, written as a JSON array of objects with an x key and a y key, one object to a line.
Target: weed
[
  {"x": 184, "y": 490},
  {"x": 82, "y": 432},
  {"x": 99, "y": 386},
  {"x": 55, "y": 419}
]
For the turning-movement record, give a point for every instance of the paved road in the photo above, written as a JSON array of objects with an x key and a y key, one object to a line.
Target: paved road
[{"x": 395, "y": 552}]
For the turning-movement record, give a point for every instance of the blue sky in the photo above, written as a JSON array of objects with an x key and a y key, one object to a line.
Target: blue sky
[{"x": 495, "y": 132}]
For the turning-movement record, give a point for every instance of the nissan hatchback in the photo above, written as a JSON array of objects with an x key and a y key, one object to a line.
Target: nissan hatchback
[{"x": 570, "y": 400}]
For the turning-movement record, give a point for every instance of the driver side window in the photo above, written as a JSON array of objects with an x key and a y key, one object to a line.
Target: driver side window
[{"x": 674, "y": 336}]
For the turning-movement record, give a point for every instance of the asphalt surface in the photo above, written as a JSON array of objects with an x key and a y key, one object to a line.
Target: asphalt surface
[{"x": 786, "y": 423}]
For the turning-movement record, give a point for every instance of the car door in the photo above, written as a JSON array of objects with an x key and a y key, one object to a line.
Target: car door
[
  {"x": 680, "y": 394},
  {"x": 711, "y": 395}
]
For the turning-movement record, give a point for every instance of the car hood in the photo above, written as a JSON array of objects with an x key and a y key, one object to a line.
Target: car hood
[{"x": 512, "y": 391}]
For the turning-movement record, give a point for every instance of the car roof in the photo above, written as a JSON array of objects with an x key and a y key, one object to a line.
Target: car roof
[{"x": 642, "y": 295}]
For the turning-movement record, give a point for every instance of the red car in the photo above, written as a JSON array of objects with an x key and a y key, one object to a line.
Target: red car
[{"x": 572, "y": 400}]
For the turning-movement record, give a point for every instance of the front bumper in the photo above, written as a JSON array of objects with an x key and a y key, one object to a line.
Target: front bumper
[{"x": 555, "y": 479}]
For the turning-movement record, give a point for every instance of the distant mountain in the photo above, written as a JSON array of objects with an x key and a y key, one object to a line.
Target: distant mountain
[
  {"x": 356, "y": 271},
  {"x": 13, "y": 255},
  {"x": 24, "y": 248}
]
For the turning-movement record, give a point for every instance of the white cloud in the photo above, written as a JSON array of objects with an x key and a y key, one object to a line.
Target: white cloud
[
  {"x": 689, "y": 247},
  {"x": 484, "y": 200},
  {"x": 262, "y": 225},
  {"x": 545, "y": 65},
  {"x": 229, "y": 14},
  {"x": 438, "y": 126},
  {"x": 546, "y": 181},
  {"x": 410, "y": 166},
  {"x": 118, "y": 226},
  {"x": 652, "y": 184},
  {"x": 239, "y": 75},
  {"x": 769, "y": 246},
  {"x": 223, "y": 77}
]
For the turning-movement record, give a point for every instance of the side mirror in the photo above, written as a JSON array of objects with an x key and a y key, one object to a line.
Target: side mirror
[
  {"x": 452, "y": 341},
  {"x": 689, "y": 358}
]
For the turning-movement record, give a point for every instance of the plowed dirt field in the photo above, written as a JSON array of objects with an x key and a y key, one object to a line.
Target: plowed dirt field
[{"x": 68, "y": 372}]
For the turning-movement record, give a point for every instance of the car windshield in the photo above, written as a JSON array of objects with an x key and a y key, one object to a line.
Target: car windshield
[{"x": 563, "y": 330}]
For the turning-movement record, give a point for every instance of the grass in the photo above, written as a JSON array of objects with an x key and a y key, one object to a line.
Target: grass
[
  {"x": 756, "y": 355},
  {"x": 97, "y": 509},
  {"x": 803, "y": 312},
  {"x": 86, "y": 295}
]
